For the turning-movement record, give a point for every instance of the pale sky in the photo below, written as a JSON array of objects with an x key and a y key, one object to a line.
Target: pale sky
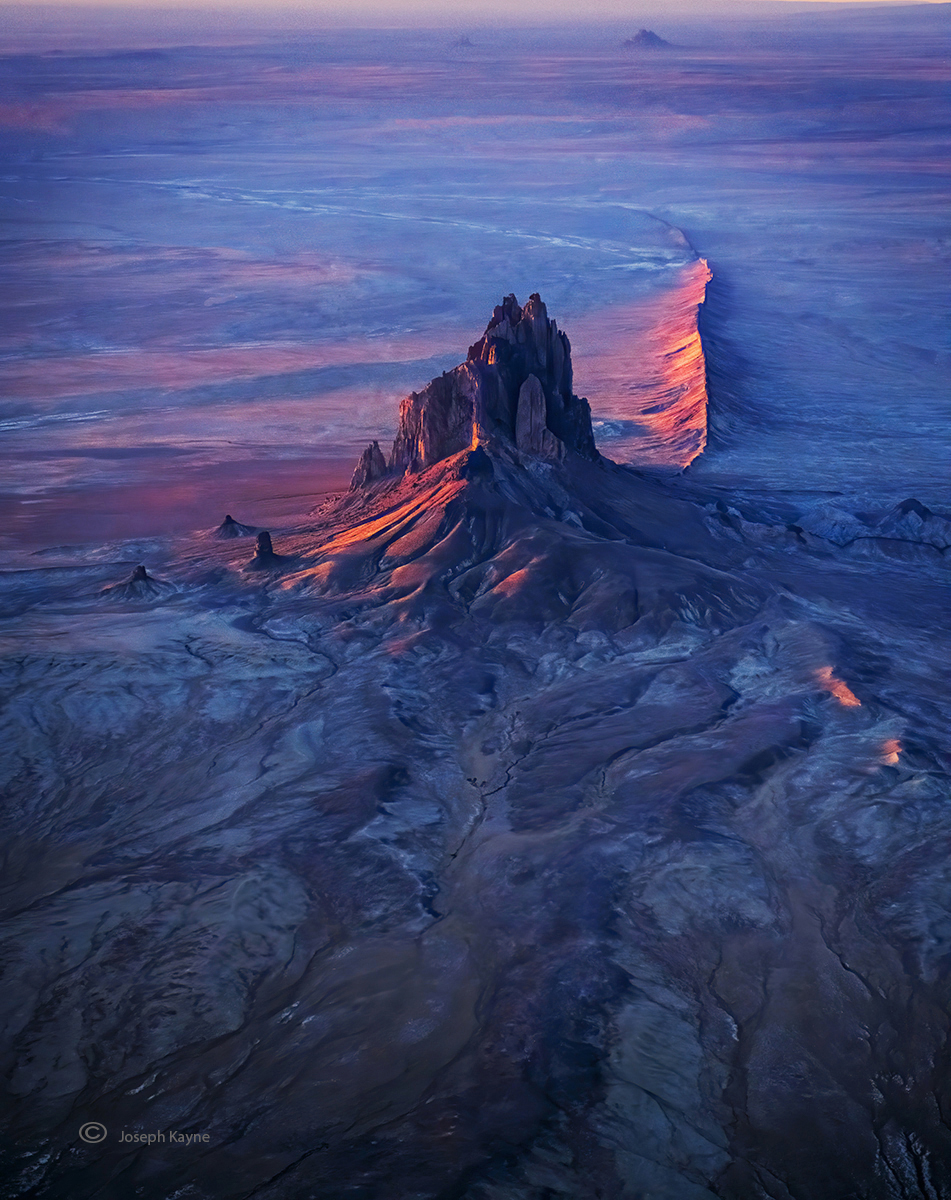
[
  {"x": 458, "y": 10},
  {"x": 81, "y": 20}
]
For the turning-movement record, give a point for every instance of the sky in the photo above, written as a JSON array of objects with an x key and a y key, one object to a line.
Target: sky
[
  {"x": 449, "y": 11},
  {"x": 82, "y": 20}
]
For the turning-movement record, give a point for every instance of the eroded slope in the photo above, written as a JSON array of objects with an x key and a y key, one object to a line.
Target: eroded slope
[{"x": 519, "y": 828}]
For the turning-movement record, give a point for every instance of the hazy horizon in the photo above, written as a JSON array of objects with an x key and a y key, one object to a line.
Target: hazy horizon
[
  {"x": 36, "y": 26},
  {"x": 459, "y": 12}
]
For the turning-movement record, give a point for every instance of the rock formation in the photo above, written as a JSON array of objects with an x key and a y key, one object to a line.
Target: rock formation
[
  {"x": 264, "y": 557},
  {"x": 914, "y": 522},
  {"x": 370, "y": 468},
  {"x": 139, "y": 586},
  {"x": 230, "y": 528},
  {"x": 532, "y": 435},
  {"x": 646, "y": 39},
  {"x": 513, "y": 394},
  {"x": 908, "y": 524},
  {"x": 833, "y": 523}
]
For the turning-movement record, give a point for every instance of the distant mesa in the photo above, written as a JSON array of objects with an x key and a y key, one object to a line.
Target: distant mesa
[
  {"x": 513, "y": 397},
  {"x": 646, "y": 39},
  {"x": 139, "y": 586},
  {"x": 230, "y": 528}
]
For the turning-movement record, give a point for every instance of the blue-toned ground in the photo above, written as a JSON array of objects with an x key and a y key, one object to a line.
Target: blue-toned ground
[{"x": 518, "y": 825}]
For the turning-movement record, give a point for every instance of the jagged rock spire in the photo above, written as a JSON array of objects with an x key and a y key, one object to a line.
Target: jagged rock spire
[
  {"x": 372, "y": 466},
  {"x": 513, "y": 391}
]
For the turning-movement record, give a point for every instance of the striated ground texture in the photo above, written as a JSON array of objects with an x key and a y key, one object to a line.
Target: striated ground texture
[{"x": 516, "y": 827}]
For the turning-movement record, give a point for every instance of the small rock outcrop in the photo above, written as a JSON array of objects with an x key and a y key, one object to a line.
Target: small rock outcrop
[
  {"x": 264, "y": 558},
  {"x": 230, "y": 528},
  {"x": 646, "y": 39},
  {"x": 834, "y": 524},
  {"x": 908, "y": 522},
  {"x": 139, "y": 586},
  {"x": 370, "y": 468},
  {"x": 913, "y": 521},
  {"x": 513, "y": 392}
]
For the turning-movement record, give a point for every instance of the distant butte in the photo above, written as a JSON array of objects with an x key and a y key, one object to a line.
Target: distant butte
[{"x": 646, "y": 39}]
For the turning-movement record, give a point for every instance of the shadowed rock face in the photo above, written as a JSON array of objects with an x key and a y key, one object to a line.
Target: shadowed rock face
[
  {"x": 532, "y": 434},
  {"x": 537, "y": 831},
  {"x": 480, "y": 401},
  {"x": 264, "y": 557}
]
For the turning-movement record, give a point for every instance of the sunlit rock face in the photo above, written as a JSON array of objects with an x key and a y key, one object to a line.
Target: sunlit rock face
[
  {"x": 520, "y": 827},
  {"x": 650, "y": 375},
  {"x": 515, "y": 387}
]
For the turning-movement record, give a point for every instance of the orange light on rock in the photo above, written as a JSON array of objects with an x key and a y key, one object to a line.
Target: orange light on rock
[
  {"x": 645, "y": 364},
  {"x": 828, "y": 682}
]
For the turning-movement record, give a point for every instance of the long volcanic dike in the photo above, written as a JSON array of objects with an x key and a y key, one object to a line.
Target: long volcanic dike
[{"x": 646, "y": 375}]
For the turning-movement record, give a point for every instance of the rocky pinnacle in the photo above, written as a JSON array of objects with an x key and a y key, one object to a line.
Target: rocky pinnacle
[
  {"x": 512, "y": 394},
  {"x": 264, "y": 556},
  {"x": 370, "y": 468}
]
